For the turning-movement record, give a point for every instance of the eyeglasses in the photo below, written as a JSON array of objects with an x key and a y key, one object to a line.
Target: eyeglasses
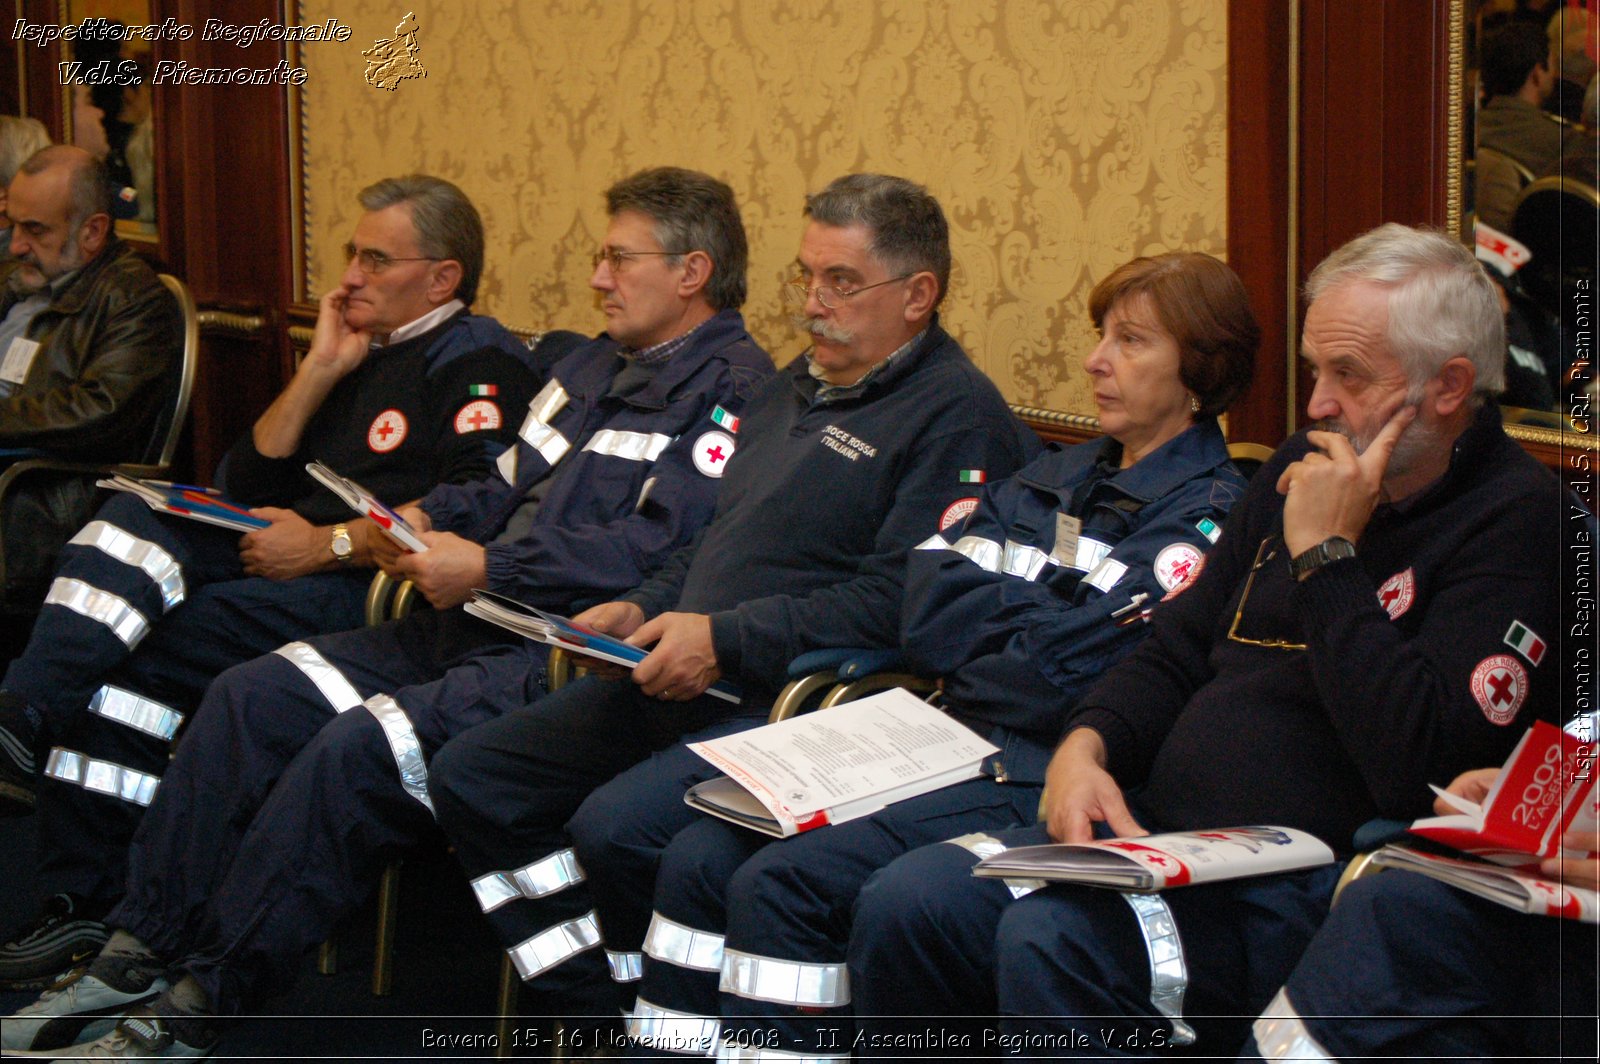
[
  {"x": 1264, "y": 554},
  {"x": 797, "y": 293},
  {"x": 373, "y": 262},
  {"x": 618, "y": 258}
]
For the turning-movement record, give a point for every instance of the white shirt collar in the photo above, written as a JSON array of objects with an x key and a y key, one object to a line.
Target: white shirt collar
[{"x": 424, "y": 323}]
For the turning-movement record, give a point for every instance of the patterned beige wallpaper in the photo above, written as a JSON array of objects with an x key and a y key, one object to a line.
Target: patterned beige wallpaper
[{"x": 1062, "y": 136}]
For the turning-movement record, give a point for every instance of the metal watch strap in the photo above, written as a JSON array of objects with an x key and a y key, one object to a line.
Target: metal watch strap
[{"x": 1331, "y": 549}]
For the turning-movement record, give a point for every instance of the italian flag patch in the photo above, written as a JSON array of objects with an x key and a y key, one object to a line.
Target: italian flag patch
[
  {"x": 1521, "y": 638},
  {"x": 483, "y": 389},
  {"x": 725, "y": 419},
  {"x": 973, "y": 476}
]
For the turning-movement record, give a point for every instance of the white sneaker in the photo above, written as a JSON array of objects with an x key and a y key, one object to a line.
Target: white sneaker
[
  {"x": 79, "y": 1008},
  {"x": 142, "y": 1035}
]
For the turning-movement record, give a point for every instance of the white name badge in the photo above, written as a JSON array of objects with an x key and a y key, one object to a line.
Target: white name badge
[{"x": 18, "y": 360}]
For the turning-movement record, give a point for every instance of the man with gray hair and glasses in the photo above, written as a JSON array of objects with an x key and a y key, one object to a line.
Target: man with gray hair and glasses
[
  {"x": 402, "y": 389},
  {"x": 1380, "y": 613},
  {"x": 861, "y": 448}
]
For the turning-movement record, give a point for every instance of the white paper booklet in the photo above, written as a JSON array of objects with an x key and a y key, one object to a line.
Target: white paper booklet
[
  {"x": 1515, "y": 888},
  {"x": 836, "y": 764},
  {"x": 364, "y": 503},
  {"x": 1157, "y": 862}
]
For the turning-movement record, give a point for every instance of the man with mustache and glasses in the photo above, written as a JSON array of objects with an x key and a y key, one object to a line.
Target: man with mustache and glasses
[
  {"x": 402, "y": 389},
  {"x": 1377, "y": 615},
  {"x": 860, "y": 449}
]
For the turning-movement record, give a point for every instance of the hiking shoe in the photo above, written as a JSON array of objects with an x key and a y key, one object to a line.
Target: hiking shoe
[
  {"x": 19, "y": 770},
  {"x": 149, "y": 1032},
  {"x": 80, "y": 1008},
  {"x": 67, "y": 933}
]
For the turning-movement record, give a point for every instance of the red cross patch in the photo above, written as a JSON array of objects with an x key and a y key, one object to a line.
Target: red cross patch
[
  {"x": 1189, "y": 578},
  {"x": 1397, "y": 593},
  {"x": 387, "y": 432},
  {"x": 957, "y": 512},
  {"x": 478, "y": 416},
  {"x": 1174, "y": 564},
  {"x": 1499, "y": 685},
  {"x": 712, "y": 451}
]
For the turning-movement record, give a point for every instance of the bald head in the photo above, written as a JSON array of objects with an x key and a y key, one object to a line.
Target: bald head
[{"x": 59, "y": 203}]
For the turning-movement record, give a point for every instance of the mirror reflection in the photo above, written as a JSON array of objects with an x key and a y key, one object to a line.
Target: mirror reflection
[
  {"x": 1531, "y": 200},
  {"x": 111, "y": 114}
]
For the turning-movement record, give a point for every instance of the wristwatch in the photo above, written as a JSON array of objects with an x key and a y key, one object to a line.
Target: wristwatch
[
  {"x": 1330, "y": 549},
  {"x": 341, "y": 546}
]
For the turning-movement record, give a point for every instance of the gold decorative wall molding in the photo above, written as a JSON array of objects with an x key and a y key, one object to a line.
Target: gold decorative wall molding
[{"x": 1062, "y": 136}]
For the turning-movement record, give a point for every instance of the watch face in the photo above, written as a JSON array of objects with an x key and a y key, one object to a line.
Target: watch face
[{"x": 341, "y": 546}]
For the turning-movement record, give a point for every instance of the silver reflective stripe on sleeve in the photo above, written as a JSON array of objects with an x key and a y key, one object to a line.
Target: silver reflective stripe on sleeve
[
  {"x": 558, "y": 871},
  {"x": 102, "y": 777},
  {"x": 981, "y": 846},
  {"x": 548, "y": 403},
  {"x": 625, "y": 967},
  {"x": 404, "y": 745},
  {"x": 113, "y": 611},
  {"x": 672, "y": 1032},
  {"x": 784, "y": 982},
  {"x": 162, "y": 568},
  {"x": 136, "y": 711},
  {"x": 1091, "y": 552},
  {"x": 555, "y": 944},
  {"x": 667, "y": 940},
  {"x": 1022, "y": 560},
  {"x": 730, "y": 1052},
  {"x": 634, "y": 446},
  {"x": 1169, "y": 974},
  {"x": 1105, "y": 575},
  {"x": 546, "y": 440},
  {"x": 507, "y": 464},
  {"x": 329, "y": 680},
  {"x": 1281, "y": 1034},
  {"x": 933, "y": 542},
  {"x": 984, "y": 553}
]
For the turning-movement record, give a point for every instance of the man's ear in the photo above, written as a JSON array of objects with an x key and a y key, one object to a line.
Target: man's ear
[
  {"x": 922, "y": 293},
  {"x": 93, "y": 234},
  {"x": 697, "y": 268},
  {"x": 446, "y": 279},
  {"x": 1457, "y": 378}
]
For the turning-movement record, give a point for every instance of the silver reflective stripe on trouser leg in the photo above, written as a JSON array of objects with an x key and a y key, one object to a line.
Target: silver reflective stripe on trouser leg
[
  {"x": 634, "y": 446},
  {"x": 672, "y": 1032},
  {"x": 1169, "y": 974},
  {"x": 784, "y": 982},
  {"x": 730, "y": 1052},
  {"x": 547, "y": 875},
  {"x": 113, "y": 611},
  {"x": 162, "y": 568},
  {"x": 404, "y": 745},
  {"x": 981, "y": 846},
  {"x": 136, "y": 711},
  {"x": 667, "y": 940},
  {"x": 625, "y": 967},
  {"x": 1281, "y": 1034},
  {"x": 102, "y": 777},
  {"x": 329, "y": 680},
  {"x": 554, "y": 945}
]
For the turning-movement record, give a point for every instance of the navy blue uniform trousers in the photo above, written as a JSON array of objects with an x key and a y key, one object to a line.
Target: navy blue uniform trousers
[
  {"x": 301, "y": 771},
  {"x": 149, "y": 610},
  {"x": 1406, "y": 966},
  {"x": 504, "y": 793},
  {"x": 1066, "y": 968}
]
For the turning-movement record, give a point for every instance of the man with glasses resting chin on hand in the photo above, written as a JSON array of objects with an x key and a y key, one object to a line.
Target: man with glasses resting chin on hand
[
  {"x": 401, "y": 389},
  {"x": 1374, "y": 617}
]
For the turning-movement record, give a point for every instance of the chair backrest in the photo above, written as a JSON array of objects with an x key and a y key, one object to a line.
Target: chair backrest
[
  {"x": 1557, "y": 218},
  {"x": 191, "y": 358},
  {"x": 1248, "y": 457}
]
